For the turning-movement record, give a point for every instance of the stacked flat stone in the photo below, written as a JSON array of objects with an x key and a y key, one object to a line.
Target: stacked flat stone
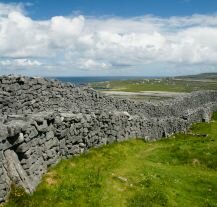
[{"x": 43, "y": 121}]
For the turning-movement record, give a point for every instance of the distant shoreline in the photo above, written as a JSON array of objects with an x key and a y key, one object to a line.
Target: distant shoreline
[{"x": 91, "y": 79}]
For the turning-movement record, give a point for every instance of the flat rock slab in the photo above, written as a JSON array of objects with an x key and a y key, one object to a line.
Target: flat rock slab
[{"x": 167, "y": 94}]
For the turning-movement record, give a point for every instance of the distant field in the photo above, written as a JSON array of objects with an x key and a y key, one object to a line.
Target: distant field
[
  {"x": 170, "y": 85},
  {"x": 174, "y": 172}
]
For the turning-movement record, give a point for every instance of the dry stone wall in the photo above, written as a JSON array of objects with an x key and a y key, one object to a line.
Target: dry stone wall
[{"x": 43, "y": 121}]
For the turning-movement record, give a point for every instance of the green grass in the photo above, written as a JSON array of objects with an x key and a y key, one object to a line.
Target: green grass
[
  {"x": 156, "y": 85},
  {"x": 180, "y": 171}
]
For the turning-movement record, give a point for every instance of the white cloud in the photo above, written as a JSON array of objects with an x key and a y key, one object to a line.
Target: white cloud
[
  {"x": 8, "y": 8},
  {"x": 93, "y": 65},
  {"x": 20, "y": 63},
  {"x": 77, "y": 43}
]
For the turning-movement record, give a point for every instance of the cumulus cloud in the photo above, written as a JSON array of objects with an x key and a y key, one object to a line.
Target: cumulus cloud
[
  {"x": 7, "y": 8},
  {"x": 79, "y": 43},
  {"x": 19, "y": 63}
]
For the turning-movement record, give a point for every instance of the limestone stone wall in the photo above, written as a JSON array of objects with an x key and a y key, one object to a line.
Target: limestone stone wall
[{"x": 43, "y": 121}]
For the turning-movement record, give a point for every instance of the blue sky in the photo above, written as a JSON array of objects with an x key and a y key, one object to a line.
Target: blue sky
[
  {"x": 108, "y": 37},
  {"x": 44, "y": 9}
]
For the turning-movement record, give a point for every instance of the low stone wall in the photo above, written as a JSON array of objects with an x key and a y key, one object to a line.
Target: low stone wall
[{"x": 37, "y": 130}]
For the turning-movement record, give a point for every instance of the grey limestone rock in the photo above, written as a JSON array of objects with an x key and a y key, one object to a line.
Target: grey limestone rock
[
  {"x": 15, "y": 171},
  {"x": 42, "y": 121}
]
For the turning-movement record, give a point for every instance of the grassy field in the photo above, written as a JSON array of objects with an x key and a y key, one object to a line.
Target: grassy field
[
  {"x": 172, "y": 172},
  {"x": 171, "y": 85}
]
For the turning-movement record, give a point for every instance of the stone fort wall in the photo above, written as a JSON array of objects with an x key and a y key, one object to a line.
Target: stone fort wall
[{"x": 43, "y": 121}]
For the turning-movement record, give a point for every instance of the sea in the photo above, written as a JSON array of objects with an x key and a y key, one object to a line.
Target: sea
[{"x": 90, "y": 79}]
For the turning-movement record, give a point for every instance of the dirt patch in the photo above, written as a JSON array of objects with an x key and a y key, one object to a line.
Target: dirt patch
[
  {"x": 195, "y": 162},
  {"x": 72, "y": 164},
  {"x": 51, "y": 178}
]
